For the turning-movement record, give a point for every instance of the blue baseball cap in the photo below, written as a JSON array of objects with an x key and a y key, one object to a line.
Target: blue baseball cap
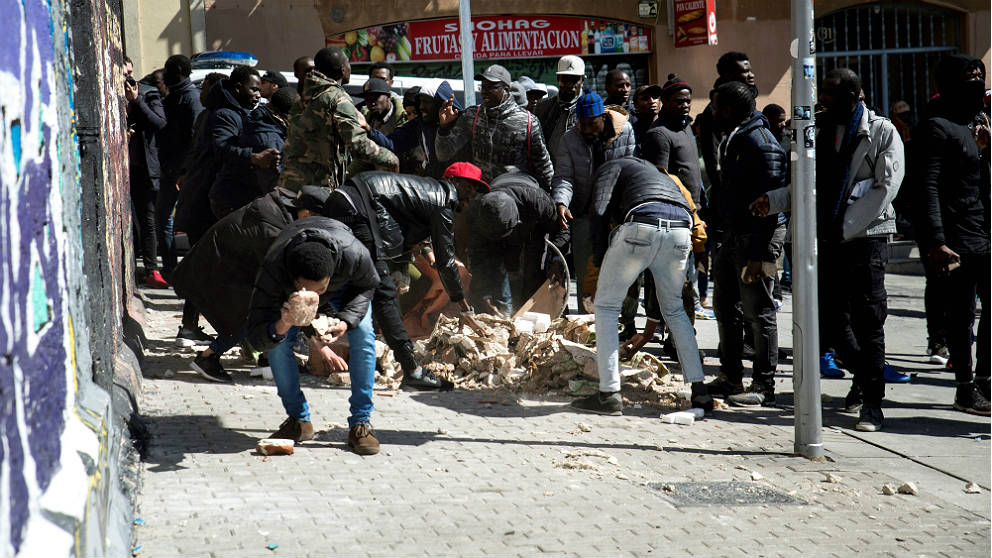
[{"x": 589, "y": 105}]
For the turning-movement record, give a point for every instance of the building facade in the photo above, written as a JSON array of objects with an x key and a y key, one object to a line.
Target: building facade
[{"x": 892, "y": 44}]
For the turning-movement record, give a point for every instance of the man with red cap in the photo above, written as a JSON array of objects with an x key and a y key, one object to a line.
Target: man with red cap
[{"x": 390, "y": 214}]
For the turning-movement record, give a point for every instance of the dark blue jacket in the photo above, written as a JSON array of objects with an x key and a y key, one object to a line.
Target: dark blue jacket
[
  {"x": 752, "y": 164},
  {"x": 215, "y": 141},
  {"x": 145, "y": 119},
  {"x": 182, "y": 106},
  {"x": 239, "y": 182},
  {"x": 413, "y": 142}
]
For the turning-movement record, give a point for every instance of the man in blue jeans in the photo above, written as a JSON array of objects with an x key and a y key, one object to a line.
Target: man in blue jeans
[
  {"x": 317, "y": 264},
  {"x": 654, "y": 231}
]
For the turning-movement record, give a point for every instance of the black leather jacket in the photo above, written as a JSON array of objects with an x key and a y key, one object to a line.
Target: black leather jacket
[
  {"x": 621, "y": 185},
  {"x": 403, "y": 210}
]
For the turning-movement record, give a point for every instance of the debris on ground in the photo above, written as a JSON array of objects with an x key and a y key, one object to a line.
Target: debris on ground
[
  {"x": 685, "y": 418},
  {"x": 584, "y": 427},
  {"x": 525, "y": 359},
  {"x": 138, "y": 521},
  {"x": 908, "y": 488},
  {"x": 831, "y": 478},
  {"x": 972, "y": 488},
  {"x": 756, "y": 476},
  {"x": 272, "y": 546},
  {"x": 889, "y": 489},
  {"x": 275, "y": 446}
]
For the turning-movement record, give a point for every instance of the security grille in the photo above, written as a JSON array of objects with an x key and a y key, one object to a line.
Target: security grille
[{"x": 893, "y": 47}]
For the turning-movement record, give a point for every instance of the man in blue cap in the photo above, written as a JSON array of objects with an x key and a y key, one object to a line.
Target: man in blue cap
[{"x": 602, "y": 134}]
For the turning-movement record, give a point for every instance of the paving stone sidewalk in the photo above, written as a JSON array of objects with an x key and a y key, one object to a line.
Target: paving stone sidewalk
[{"x": 472, "y": 473}]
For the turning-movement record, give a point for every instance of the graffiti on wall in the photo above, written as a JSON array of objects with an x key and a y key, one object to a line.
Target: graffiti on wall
[{"x": 44, "y": 335}]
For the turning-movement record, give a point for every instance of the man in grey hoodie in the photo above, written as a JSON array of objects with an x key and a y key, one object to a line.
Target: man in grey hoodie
[{"x": 860, "y": 166}]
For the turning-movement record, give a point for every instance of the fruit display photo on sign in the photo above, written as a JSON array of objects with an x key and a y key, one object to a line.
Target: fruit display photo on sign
[
  {"x": 695, "y": 22},
  {"x": 496, "y": 37}
]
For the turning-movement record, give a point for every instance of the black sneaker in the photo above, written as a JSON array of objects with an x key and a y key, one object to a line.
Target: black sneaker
[
  {"x": 192, "y": 337},
  {"x": 601, "y": 403},
  {"x": 722, "y": 386},
  {"x": 969, "y": 399},
  {"x": 984, "y": 386},
  {"x": 701, "y": 399},
  {"x": 209, "y": 367},
  {"x": 939, "y": 354},
  {"x": 870, "y": 419},
  {"x": 854, "y": 400},
  {"x": 757, "y": 395},
  {"x": 427, "y": 381}
]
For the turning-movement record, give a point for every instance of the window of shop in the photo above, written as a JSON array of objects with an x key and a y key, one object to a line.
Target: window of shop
[
  {"x": 525, "y": 45},
  {"x": 893, "y": 47}
]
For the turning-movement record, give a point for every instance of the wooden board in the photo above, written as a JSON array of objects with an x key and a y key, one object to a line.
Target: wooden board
[{"x": 549, "y": 299}]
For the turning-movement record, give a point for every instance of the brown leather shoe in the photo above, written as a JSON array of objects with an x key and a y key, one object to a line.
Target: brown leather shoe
[
  {"x": 361, "y": 439},
  {"x": 296, "y": 430}
]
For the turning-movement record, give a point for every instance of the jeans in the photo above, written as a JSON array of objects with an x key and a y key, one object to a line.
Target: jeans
[
  {"x": 934, "y": 302},
  {"x": 581, "y": 252},
  {"x": 143, "y": 200},
  {"x": 361, "y": 368},
  {"x": 223, "y": 343},
  {"x": 757, "y": 310},
  {"x": 853, "y": 306},
  {"x": 633, "y": 248},
  {"x": 963, "y": 284},
  {"x": 164, "y": 207}
]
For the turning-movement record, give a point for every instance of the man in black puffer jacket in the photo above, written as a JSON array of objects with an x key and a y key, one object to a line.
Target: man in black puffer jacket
[
  {"x": 508, "y": 230},
  {"x": 654, "y": 231},
  {"x": 237, "y": 183},
  {"x": 318, "y": 256},
  {"x": 752, "y": 163},
  {"x": 390, "y": 213}
]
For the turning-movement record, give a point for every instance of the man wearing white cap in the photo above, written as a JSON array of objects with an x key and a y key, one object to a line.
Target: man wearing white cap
[{"x": 557, "y": 113}]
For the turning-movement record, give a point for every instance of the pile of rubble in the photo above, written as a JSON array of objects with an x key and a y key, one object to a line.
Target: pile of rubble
[{"x": 523, "y": 356}]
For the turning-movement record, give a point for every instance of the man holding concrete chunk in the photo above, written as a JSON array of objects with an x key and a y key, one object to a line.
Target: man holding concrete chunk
[{"x": 317, "y": 264}]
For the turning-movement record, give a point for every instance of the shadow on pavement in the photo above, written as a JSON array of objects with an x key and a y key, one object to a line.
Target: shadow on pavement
[{"x": 171, "y": 442}]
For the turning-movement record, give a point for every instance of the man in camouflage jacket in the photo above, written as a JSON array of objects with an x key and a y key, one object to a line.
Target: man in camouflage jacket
[{"x": 324, "y": 129}]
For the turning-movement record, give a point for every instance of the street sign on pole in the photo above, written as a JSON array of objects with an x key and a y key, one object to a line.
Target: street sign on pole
[
  {"x": 468, "y": 48},
  {"x": 805, "y": 318}
]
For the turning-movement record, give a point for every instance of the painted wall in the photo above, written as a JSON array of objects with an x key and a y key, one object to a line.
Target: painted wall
[{"x": 63, "y": 437}]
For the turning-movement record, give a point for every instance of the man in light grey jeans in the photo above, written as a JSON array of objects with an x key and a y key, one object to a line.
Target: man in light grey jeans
[{"x": 654, "y": 231}]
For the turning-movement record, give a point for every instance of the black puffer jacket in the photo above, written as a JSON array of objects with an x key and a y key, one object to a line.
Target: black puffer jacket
[
  {"x": 752, "y": 164},
  {"x": 404, "y": 210},
  {"x": 671, "y": 146},
  {"x": 354, "y": 273},
  {"x": 218, "y": 273},
  {"x": 146, "y": 118},
  {"x": 621, "y": 185},
  {"x": 182, "y": 106},
  {"x": 238, "y": 182},
  {"x": 536, "y": 212},
  {"x": 501, "y": 137}
]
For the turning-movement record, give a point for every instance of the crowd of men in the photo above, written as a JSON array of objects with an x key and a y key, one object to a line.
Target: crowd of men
[{"x": 298, "y": 204}]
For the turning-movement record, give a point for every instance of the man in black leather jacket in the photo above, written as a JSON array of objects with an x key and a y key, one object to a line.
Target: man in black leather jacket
[
  {"x": 390, "y": 213},
  {"x": 752, "y": 162}
]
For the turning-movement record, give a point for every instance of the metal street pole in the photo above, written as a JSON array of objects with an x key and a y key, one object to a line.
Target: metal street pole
[
  {"x": 805, "y": 318},
  {"x": 468, "y": 47}
]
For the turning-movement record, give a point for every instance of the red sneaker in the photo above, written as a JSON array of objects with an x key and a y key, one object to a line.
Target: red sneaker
[{"x": 156, "y": 281}]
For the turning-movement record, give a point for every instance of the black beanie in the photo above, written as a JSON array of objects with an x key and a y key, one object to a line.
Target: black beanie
[{"x": 495, "y": 215}]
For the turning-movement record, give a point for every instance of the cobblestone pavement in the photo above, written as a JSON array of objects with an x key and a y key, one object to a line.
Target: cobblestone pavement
[{"x": 473, "y": 473}]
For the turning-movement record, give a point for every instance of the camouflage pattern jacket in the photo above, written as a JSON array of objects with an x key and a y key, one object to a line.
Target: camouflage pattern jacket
[
  {"x": 503, "y": 136},
  {"x": 323, "y": 132}
]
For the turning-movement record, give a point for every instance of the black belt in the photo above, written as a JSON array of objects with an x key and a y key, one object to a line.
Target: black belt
[{"x": 660, "y": 223}]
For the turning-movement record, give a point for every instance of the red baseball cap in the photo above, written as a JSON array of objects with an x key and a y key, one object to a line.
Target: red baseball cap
[{"x": 466, "y": 170}]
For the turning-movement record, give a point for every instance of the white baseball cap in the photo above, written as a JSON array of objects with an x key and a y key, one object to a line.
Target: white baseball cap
[{"x": 571, "y": 65}]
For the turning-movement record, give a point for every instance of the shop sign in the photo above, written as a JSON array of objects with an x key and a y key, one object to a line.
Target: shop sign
[
  {"x": 496, "y": 37},
  {"x": 695, "y": 22}
]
